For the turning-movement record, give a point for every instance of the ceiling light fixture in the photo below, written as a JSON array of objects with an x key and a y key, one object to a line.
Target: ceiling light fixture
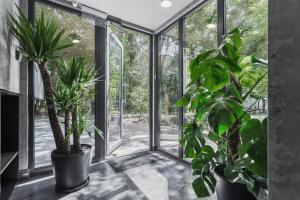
[
  {"x": 211, "y": 26},
  {"x": 75, "y": 3},
  {"x": 75, "y": 41},
  {"x": 75, "y": 38},
  {"x": 166, "y": 3}
]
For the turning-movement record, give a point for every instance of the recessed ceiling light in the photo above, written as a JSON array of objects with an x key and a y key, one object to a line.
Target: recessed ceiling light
[{"x": 166, "y": 3}]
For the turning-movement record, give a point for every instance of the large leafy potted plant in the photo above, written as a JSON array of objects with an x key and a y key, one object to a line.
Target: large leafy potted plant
[
  {"x": 73, "y": 89},
  {"x": 227, "y": 147},
  {"x": 42, "y": 43}
]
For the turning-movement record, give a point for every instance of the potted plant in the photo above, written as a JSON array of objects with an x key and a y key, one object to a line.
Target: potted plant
[
  {"x": 73, "y": 89},
  {"x": 42, "y": 43},
  {"x": 227, "y": 147}
]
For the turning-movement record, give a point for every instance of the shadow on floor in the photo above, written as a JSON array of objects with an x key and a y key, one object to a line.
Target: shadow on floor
[{"x": 144, "y": 176}]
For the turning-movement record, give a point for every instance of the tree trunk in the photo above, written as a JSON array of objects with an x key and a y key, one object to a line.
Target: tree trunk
[
  {"x": 67, "y": 129},
  {"x": 54, "y": 122},
  {"x": 76, "y": 136}
]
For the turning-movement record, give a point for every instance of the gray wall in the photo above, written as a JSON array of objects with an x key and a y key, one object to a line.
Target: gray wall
[
  {"x": 284, "y": 99},
  {"x": 9, "y": 66},
  {"x": 14, "y": 75}
]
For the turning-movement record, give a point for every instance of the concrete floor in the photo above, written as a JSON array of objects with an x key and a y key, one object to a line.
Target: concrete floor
[{"x": 143, "y": 176}]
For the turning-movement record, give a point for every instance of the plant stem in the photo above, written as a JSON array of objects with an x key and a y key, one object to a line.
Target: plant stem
[
  {"x": 234, "y": 139},
  {"x": 76, "y": 137},
  {"x": 54, "y": 122},
  {"x": 252, "y": 88},
  {"x": 67, "y": 129}
]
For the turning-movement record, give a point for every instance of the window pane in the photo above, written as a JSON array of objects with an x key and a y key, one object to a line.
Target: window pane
[
  {"x": 135, "y": 93},
  {"x": 168, "y": 55},
  {"x": 253, "y": 16},
  {"x": 200, "y": 29},
  {"x": 78, "y": 29},
  {"x": 114, "y": 91}
]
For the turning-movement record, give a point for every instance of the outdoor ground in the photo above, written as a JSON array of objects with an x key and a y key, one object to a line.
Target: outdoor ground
[{"x": 135, "y": 139}]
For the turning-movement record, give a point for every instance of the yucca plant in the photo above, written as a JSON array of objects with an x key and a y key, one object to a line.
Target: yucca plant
[
  {"x": 76, "y": 77},
  {"x": 41, "y": 43},
  {"x": 65, "y": 98}
]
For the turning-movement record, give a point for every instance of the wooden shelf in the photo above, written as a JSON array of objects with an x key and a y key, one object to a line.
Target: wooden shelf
[{"x": 6, "y": 159}]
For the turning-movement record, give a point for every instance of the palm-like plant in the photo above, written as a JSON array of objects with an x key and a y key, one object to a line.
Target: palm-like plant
[
  {"x": 65, "y": 98},
  {"x": 40, "y": 43},
  {"x": 76, "y": 78}
]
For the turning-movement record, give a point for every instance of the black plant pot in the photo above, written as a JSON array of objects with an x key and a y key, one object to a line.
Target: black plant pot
[
  {"x": 230, "y": 191},
  {"x": 72, "y": 171}
]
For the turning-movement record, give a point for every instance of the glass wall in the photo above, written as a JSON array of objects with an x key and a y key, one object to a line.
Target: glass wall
[
  {"x": 115, "y": 77},
  {"x": 135, "y": 90},
  {"x": 252, "y": 15},
  {"x": 200, "y": 31},
  {"x": 200, "y": 34},
  {"x": 168, "y": 66},
  {"x": 83, "y": 35}
]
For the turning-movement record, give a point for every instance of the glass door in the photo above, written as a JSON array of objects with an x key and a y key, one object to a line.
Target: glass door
[{"x": 114, "y": 88}]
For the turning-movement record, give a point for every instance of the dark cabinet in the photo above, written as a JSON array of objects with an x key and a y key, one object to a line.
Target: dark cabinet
[{"x": 9, "y": 123}]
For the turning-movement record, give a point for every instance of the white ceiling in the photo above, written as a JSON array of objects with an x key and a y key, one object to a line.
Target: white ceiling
[{"x": 146, "y": 13}]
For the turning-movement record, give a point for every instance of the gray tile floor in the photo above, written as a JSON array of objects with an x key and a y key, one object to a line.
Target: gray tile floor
[{"x": 149, "y": 176}]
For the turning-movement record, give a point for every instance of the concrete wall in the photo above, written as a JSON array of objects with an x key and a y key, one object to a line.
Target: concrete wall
[
  {"x": 284, "y": 98},
  {"x": 14, "y": 75},
  {"x": 9, "y": 66}
]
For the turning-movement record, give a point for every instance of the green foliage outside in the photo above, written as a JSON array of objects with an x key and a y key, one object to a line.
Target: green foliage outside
[
  {"x": 168, "y": 59},
  {"x": 252, "y": 15},
  {"x": 73, "y": 25},
  {"x": 135, "y": 72}
]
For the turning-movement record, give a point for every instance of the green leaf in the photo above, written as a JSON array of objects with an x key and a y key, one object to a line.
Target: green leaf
[
  {"x": 232, "y": 91},
  {"x": 253, "y": 134},
  {"x": 211, "y": 182},
  {"x": 246, "y": 61},
  {"x": 207, "y": 152},
  {"x": 236, "y": 39},
  {"x": 220, "y": 119},
  {"x": 228, "y": 64},
  {"x": 183, "y": 101},
  {"x": 214, "y": 137},
  {"x": 41, "y": 42},
  {"x": 234, "y": 106},
  {"x": 215, "y": 77},
  {"x": 200, "y": 188},
  {"x": 231, "y": 52},
  {"x": 190, "y": 152}
]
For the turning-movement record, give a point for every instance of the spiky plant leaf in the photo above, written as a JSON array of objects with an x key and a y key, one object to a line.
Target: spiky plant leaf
[{"x": 41, "y": 42}]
